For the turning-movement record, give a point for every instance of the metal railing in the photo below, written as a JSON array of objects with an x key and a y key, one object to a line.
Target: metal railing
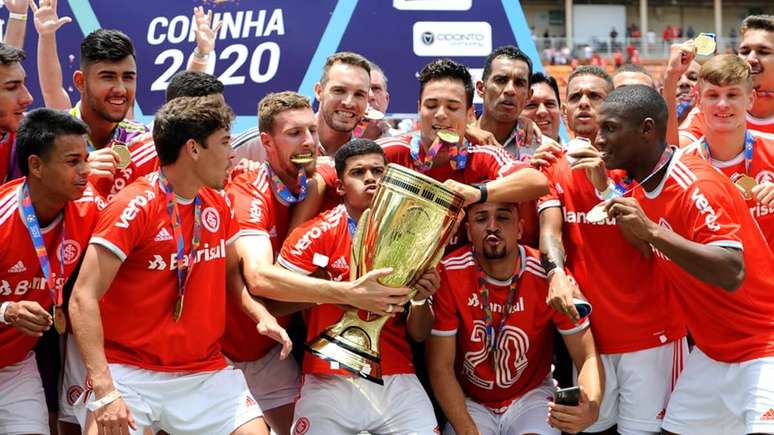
[{"x": 555, "y": 51}]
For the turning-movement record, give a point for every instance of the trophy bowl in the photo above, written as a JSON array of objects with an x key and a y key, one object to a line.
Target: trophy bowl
[{"x": 407, "y": 227}]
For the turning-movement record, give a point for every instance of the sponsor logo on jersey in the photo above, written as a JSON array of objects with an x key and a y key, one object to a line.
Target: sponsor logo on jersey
[
  {"x": 768, "y": 415},
  {"x": 17, "y": 268},
  {"x": 302, "y": 426},
  {"x": 204, "y": 253},
  {"x": 133, "y": 206},
  {"x": 579, "y": 217},
  {"x": 341, "y": 263},
  {"x": 25, "y": 285},
  {"x": 211, "y": 219},
  {"x": 701, "y": 203},
  {"x": 71, "y": 251},
  {"x": 663, "y": 224},
  {"x": 315, "y": 232},
  {"x": 256, "y": 211},
  {"x": 764, "y": 177},
  {"x": 474, "y": 301},
  {"x": 163, "y": 235}
]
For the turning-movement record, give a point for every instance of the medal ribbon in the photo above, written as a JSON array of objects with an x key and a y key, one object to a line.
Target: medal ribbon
[
  {"x": 458, "y": 155},
  {"x": 351, "y": 226},
  {"x": 491, "y": 332},
  {"x": 624, "y": 186},
  {"x": 519, "y": 138},
  {"x": 749, "y": 144},
  {"x": 33, "y": 226},
  {"x": 183, "y": 267},
  {"x": 282, "y": 191}
]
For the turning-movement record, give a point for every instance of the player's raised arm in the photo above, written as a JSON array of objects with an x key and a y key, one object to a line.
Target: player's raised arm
[{"x": 47, "y": 23}]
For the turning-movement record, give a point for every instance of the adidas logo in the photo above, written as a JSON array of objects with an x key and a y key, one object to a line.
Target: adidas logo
[
  {"x": 17, "y": 268},
  {"x": 162, "y": 236},
  {"x": 341, "y": 263},
  {"x": 249, "y": 401},
  {"x": 661, "y": 414},
  {"x": 768, "y": 415}
]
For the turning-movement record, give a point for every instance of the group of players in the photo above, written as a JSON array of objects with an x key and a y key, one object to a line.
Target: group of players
[{"x": 172, "y": 274}]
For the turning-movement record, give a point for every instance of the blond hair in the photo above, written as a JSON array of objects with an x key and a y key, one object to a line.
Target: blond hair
[{"x": 726, "y": 70}]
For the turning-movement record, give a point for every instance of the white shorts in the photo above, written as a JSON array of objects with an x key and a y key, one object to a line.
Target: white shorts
[
  {"x": 22, "y": 401},
  {"x": 347, "y": 404},
  {"x": 75, "y": 392},
  {"x": 185, "y": 403},
  {"x": 713, "y": 397},
  {"x": 528, "y": 414},
  {"x": 637, "y": 388},
  {"x": 272, "y": 381}
]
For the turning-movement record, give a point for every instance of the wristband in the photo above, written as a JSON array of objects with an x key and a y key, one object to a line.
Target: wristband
[
  {"x": 608, "y": 193},
  {"x": 106, "y": 400},
  {"x": 15, "y": 16},
  {"x": 201, "y": 56},
  {"x": 415, "y": 303},
  {"x": 4, "y": 307},
  {"x": 484, "y": 193}
]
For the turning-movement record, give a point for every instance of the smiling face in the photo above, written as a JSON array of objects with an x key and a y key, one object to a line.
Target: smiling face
[
  {"x": 108, "y": 88},
  {"x": 442, "y": 106},
  {"x": 585, "y": 94},
  {"x": 543, "y": 108},
  {"x": 344, "y": 96},
  {"x": 757, "y": 48},
  {"x": 724, "y": 107},
  {"x": 506, "y": 90}
]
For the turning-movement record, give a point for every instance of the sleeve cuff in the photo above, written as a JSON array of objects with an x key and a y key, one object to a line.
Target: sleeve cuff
[
  {"x": 548, "y": 204},
  {"x": 580, "y": 327},
  {"x": 292, "y": 267},
  {"x": 442, "y": 333},
  {"x": 110, "y": 246},
  {"x": 727, "y": 244}
]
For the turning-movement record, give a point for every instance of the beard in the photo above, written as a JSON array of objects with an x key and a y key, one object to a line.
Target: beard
[{"x": 494, "y": 253}]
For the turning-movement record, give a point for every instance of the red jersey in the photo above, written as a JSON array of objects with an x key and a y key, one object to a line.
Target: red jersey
[
  {"x": 259, "y": 213},
  {"x": 21, "y": 278},
  {"x": 693, "y": 125},
  {"x": 615, "y": 277},
  {"x": 524, "y": 345},
  {"x": 325, "y": 243},
  {"x": 485, "y": 163},
  {"x": 144, "y": 161},
  {"x": 761, "y": 168},
  {"x": 137, "y": 308},
  {"x": 326, "y": 167},
  {"x": 700, "y": 204},
  {"x": 7, "y": 142}
]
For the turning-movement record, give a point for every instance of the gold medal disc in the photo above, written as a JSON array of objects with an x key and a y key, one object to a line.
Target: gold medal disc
[
  {"x": 178, "y": 308},
  {"x": 302, "y": 159},
  {"x": 373, "y": 114},
  {"x": 705, "y": 44},
  {"x": 124, "y": 156},
  {"x": 449, "y": 136},
  {"x": 597, "y": 214},
  {"x": 60, "y": 322},
  {"x": 745, "y": 184}
]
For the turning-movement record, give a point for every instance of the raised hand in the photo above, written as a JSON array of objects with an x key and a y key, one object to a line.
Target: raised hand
[{"x": 47, "y": 21}]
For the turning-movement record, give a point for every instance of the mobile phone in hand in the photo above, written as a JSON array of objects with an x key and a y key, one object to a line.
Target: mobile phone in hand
[{"x": 567, "y": 396}]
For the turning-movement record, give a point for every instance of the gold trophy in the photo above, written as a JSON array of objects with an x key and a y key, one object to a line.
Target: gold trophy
[{"x": 410, "y": 221}]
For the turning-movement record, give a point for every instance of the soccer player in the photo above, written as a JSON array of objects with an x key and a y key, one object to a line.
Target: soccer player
[
  {"x": 544, "y": 106},
  {"x": 322, "y": 247},
  {"x": 505, "y": 89},
  {"x": 715, "y": 259},
  {"x": 106, "y": 81},
  {"x": 379, "y": 99},
  {"x": 148, "y": 308},
  {"x": 757, "y": 48},
  {"x": 490, "y": 352},
  {"x": 14, "y": 101},
  {"x": 46, "y": 219},
  {"x": 725, "y": 95},
  {"x": 632, "y": 74}
]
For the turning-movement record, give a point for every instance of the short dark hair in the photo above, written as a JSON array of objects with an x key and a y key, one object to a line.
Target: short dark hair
[
  {"x": 10, "y": 54},
  {"x": 446, "y": 69},
  {"x": 540, "y": 77},
  {"x": 193, "y": 84},
  {"x": 185, "y": 118},
  {"x": 105, "y": 45},
  {"x": 38, "y": 132},
  {"x": 591, "y": 70},
  {"x": 508, "y": 51},
  {"x": 639, "y": 102},
  {"x": 347, "y": 58},
  {"x": 275, "y": 103},
  {"x": 757, "y": 22},
  {"x": 354, "y": 148}
]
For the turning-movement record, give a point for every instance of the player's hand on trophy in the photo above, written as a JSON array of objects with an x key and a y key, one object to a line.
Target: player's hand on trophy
[
  {"x": 478, "y": 136},
  {"x": 469, "y": 193},
  {"x": 764, "y": 193},
  {"x": 47, "y": 21},
  {"x": 587, "y": 157},
  {"x": 573, "y": 419},
  {"x": 28, "y": 317},
  {"x": 427, "y": 285},
  {"x": 269, "y": 327},
  {"x": 560, "y": 293},
  {"x": 546, "y": 154},
  {"x": 629, "y": 216},
  {"x": 103, "y": 163},
  {"x": 368, "y": 294}
]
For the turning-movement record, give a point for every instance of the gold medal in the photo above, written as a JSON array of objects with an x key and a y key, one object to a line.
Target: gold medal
[
  {"x": 60, "y": 322},
  {"x": 178, "y": 308},
  {"x": 373, "y": 114},
  {"x": 449, "y": 136},
  {"x": 597, "y": 214},
  {"x": 302, "y": 159},
  {"x": 705, "y": 44},
  {"x": 745, "y": 184},
  {"x": 124, "y": 156}
]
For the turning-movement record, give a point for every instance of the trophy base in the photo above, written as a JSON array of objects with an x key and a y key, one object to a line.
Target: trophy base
[{"x": 350, "y": 356}]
